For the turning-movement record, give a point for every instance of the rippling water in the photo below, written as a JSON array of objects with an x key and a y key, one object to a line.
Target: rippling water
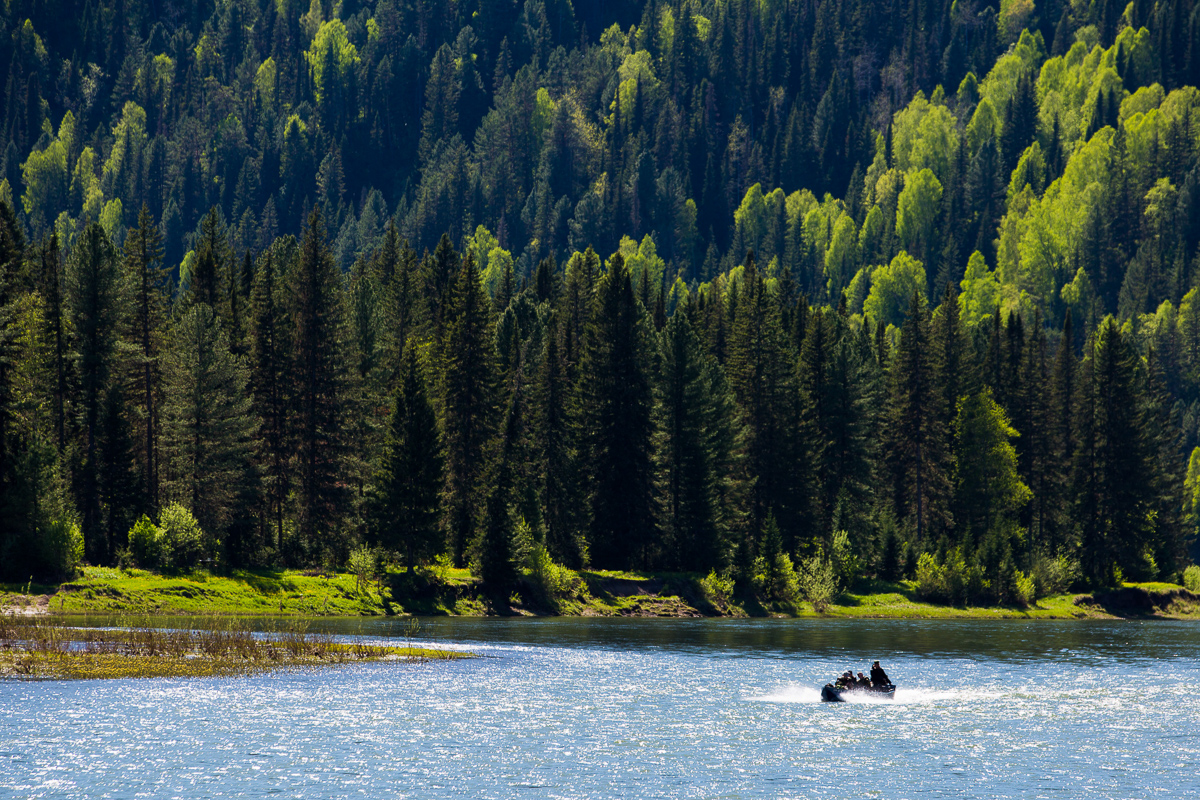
[{"x": 645, "y": 708}]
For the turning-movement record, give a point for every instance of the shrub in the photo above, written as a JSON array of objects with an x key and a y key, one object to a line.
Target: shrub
[
  {"x": 931, "y": 583},
  {"x": 717, "y": 588},
  {"x": 818, "y": 581},
  {"x": 1052, "y": 575},
  {"x": 1191, "y": 578},
  {"x": 552, "y": 581},
  {"x": 775, "y": 579},
  {"x": 846, "y": 565},
  {"x": 185, "y": 544},
  {"x": 60, "y": 548},
  {"x": 146, "y": 544},
  {"x": 363, "y": 565}
]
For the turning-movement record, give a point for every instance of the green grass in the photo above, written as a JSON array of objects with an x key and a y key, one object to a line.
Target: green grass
[
  {"x": 243, "y": 592},
  {"x": 447, "y": 591}
]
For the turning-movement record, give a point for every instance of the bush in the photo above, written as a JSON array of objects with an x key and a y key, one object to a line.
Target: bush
[
  {"x": 717, "y": 588},
  {"x": 931, "y": 580},
  {"x": 547, "y": 578},
  {"x": 363, "y": 565},
  {"x": 846, "y": 565},
  {"x": 775, "y": 579},
  {"x": 1191, "y": 578},
  {"x": 818, "y": 581},
  {"x": 60, "y": 548},
  {"x": 146, "y": 544},
  {"x": 1053, "y": 575},
  {"x": 185, "y": 544}
]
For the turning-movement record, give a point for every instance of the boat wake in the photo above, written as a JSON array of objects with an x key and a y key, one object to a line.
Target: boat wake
[{"x": 913, "y": 696}]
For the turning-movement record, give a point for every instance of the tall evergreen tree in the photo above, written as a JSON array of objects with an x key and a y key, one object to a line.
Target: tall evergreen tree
[
  {"x": 615, "y": 405},
  {"x": 409, "y": 480},
  {"x": 207, "y": 421},
  {"x": 95, "y": 298},
  {"x": 318, "y": 390},
  {"x": 468, "y": 403},
  {"x": 271, "y": 388}
]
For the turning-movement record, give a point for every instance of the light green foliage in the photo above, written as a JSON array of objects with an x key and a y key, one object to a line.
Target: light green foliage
[
  {"x": 111, "y": 216},
  {"x": 750, "y": 219},
  {"x": 918, "y": 207},
  {"x": 856, "y": 292},
  {"x": 265, "y": 82},
  {"x": 642, "y": 260},
  {"x": 984, "y": 125},
  {"x": 331, "y": 47},
  {"x": 1001, "y": 82},
  {"x": 146, "y": 544},
  {"x": 988, "y": 484},
  {"x": 717, "y": 588},
  {"x": 870, "y": 238},
  {"x": 636, "y": 68},
  {"x": 1014, "y": 16},
  {"x": 1052, "y": 575},
  {"x": 842, "y": 256},
  {"x": 46, "y": 174},
  {"x": 817, "y": 581},
  {"x": 892, "y": 288},
  {"x": 980, "y": 293},
  {"x": 363, "y": 565},
  {"x": 552, "y": 581},
  {"x": 1039, "y": 237},
  {"x": 925, "y": 136},
  {"x": 1030, "y": 171},
  {"x": 1191, "y": 578},
  {"x": 60, "y": 547},
  {"x": 185, "y": 545},
  {"x": 123, "y": 166}
]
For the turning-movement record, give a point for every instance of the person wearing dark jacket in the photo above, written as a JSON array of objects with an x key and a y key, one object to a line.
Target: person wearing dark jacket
[{"x": 878, "y": 676}]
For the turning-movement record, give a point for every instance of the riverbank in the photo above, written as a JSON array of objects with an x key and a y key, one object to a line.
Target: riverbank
[{"x": 455, "y": 592}]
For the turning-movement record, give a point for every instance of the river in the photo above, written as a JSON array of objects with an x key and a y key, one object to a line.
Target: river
[{"x": 625, "y": 708}]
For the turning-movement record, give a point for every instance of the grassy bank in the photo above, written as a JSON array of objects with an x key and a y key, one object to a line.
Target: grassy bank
[
  {"x": 448, "y": 591},
  {"x": 37, "y": 648}
]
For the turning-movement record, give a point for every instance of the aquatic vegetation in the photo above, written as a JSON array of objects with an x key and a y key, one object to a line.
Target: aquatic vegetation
[{"x": 49, "y": 648}]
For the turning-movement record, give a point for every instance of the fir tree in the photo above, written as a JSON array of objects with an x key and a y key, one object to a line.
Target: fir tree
[
  {"x": 616, "y": 428},
  {"x": 468, "y": 402},
  {"x": 409, "y": 480}
]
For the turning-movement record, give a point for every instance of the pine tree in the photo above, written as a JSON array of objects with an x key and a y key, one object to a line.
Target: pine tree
[
  {"x": 690, "y": 512},
  {"x": 409, "y": 480},
  {"x": 497, "y": 546},
  {"x": 94, "y": 293},
  {"x": 143, "y": 264},
  {"x": 762, "y": 373},
  {"x": 468, "y": 402},
  {"x": 269, "y": 359},
  {"x": 917, "y": 441},
  {"x": 204, "y": 284},
  {"x": 616, "y": 428},
  {"x": 318, "y": 389},
  {"x": 554, "y": 446}
]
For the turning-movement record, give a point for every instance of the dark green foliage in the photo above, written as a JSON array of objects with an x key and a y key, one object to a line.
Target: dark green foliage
[
  {"x": 468, "y": 402},
  {"x": 615, "y": 404},
  {"x": 408, "y": 484}
]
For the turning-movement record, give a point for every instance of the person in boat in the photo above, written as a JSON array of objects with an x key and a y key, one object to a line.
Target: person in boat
[
  {"x": 863, "y": 681},
  {"x": 878, "y": 676},
  {"x": 846, "y": 681}
]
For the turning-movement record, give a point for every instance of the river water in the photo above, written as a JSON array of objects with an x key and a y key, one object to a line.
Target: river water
[{"x": 617, "y": 708}]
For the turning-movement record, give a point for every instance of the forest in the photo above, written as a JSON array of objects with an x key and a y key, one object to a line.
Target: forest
[{"x": 781, "y": 291}]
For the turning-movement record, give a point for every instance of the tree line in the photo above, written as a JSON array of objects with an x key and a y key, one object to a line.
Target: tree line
[
  {"x": 688, "y": 285},
  {"x": 296, "y": 412}
]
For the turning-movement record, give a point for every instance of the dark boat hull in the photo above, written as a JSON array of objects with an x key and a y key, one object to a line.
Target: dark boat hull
[{"x": 831, "y": 694}]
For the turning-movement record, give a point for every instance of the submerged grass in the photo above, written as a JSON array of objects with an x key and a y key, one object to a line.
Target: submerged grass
[{"x": 49, "y": 648}]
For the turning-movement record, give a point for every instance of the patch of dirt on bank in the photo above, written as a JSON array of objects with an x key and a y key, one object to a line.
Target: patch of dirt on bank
[
  {"x": 1134, "y": 601},
  {"x": 25, "y": 605}
]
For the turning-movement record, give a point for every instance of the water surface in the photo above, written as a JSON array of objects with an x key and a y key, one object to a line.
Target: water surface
[{"x": 603, "y": 708}]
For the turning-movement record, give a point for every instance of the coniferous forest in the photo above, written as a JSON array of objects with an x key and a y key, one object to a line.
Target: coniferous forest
[{"x": 753, "y": 289}]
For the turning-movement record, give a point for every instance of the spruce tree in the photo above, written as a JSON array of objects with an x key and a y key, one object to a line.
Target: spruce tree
[
  {"x": 554, "y": 448},
  {"x": 270, "y": 357},
  {"x": 95, "y": 298},
  {"x": 468, "y": 402},
  {"x": 917, "y": 441},
  {"x": 318, "y": 390},
  {"x": 143, "y": 265},
  {"x": 615, "y": 404},
  {"x": 207, "y": 421},
  {"x": 409, "y": 480}
]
